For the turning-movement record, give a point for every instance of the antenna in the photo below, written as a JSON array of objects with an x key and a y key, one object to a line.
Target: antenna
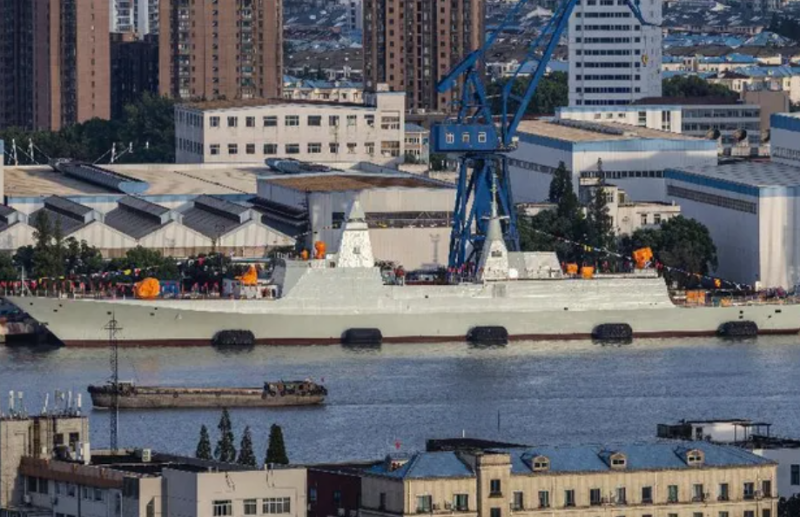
[
  {"x": 113, "y": 327},
  {"x": 46, "y": 403},
  {"x": 11, "y": 401}
]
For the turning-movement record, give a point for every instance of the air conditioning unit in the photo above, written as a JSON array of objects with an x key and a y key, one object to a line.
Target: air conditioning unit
[{"x": 26, "y": 499}]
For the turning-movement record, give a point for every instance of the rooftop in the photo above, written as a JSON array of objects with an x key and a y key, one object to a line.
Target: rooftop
[
  {"x": 691, "y": 101},
  {"x": 748, "y": 174},
  {"x": 664, "y": 455},
  {"x": 256, "y": 103},
  {"x": 163, "y": 180},
  {"x": 338, "y": 182},
  {"x": 577, "y": 131}
]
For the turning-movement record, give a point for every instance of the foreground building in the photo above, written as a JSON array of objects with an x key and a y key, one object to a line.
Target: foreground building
[
  {"x": 212, "y": 50},
  {"x": 250, "y": 131},
  {"x": 412, "y": 45},
  {"x": 663, "y": 479}
]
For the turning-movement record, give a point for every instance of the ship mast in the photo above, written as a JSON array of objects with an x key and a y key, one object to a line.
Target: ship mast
[{"x": 113, "y": 327}]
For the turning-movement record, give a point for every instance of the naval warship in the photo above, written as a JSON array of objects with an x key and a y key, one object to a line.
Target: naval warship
[{"x": 343, "y": 297}]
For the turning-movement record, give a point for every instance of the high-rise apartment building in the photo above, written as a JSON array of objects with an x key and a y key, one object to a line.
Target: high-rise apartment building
[
  {"x": 134, "y": 69},
  {"x": 411, "y": 44},
  {"x": 16, "y": 47},
  {"x": 139, "y": 16},
  {"x": 229, "y": 49},
  {"x": 70, "y": 62},
  {"x": 613, "y": 58}
]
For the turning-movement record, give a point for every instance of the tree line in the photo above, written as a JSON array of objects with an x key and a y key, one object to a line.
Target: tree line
[
  {"x": 148, "y": 125},
  {"x": 678, "y": 242},
  {"x": 225, "y": 450}
]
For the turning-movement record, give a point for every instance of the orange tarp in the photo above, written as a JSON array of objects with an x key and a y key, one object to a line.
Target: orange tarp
[{"x": 147, "y": 289}]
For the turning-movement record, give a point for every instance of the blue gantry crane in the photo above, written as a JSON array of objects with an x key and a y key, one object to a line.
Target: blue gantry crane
[{"x": 481, "y": 139}]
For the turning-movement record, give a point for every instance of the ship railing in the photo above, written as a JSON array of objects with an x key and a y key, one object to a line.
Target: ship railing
[{"x": 115, "y": 295}]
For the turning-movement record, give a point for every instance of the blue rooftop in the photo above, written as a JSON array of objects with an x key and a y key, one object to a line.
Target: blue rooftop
[{"x": 666, "y": 455}]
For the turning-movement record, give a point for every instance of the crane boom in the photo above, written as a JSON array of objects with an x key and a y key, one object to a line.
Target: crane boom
[{"x": 481, "y": 139}]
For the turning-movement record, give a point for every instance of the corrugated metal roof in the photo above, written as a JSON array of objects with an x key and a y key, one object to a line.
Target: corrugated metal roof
[
  {"x": 133, "y": 223},
  {"x": 208, "y": 223},
  {"x": 335, "y": 182},
  {"x": 754, "y": 174},
  {"x": 67, "y": 206},
  {"x": 69, "y": 224},
  {"x": 140, "y": 205}
]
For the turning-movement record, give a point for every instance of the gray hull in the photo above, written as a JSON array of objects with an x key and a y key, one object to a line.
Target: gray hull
[{"x": 162, "y": 323}]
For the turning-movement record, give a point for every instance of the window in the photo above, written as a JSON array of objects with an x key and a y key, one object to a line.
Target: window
[
  {"x": 270, "y": 121},
  {"x": 724, "y": 514},
  {"x": 333, "y": 148},
  {"x": 644, "y": 219},
  {"x": 213, "y": 149},
  {"x": 277, "y": 505},
  {"x": 766, "y": 512},
  {"x": 250, "y": 506},
  {"x": 31, "y": 484},
  {"x": 222, "y": 508},
  {"x": 494, "y": 487},
  {"x": 150, "y": 509},
  {"x": 518, "y": 503},
  {"x": 698, "y": 495},
  {"x": 495, "y": 512},
  {"x": 450, "y": 138},
  {"x": 382, "y": 503},
  {"x": 312, "y": 495},
  {"x": 333, "y": 120},
  {"x": 213, "y": 121},
  {"x": 250, "y": 121},
  {"x": 370, "y": 146},
  {"x": 291, "y": 120},
  {"x": 351, "y": 120},
  {"x": 594, "y": 497},
  {"x": 71, "y": 490},
  {"x": 250, "y": 149},
  {"x": 465, "y": 138},
  {"x": 795, "y": 475},
  {"x": 481, "y": 137},
  {"x": 233, "y": 121},
  {"x": 723, "y": 492},
  {"x": 461, "y": 502},
  {"x": 424, "y": 504},
  {"x": 647, "y": 495},
  {"x": 270, "y": 148},
  {"x": 233, "y": 148},
  {"x": 292, "y": 148},
  {"x": 337, "y": 498},
  {"x": 672, "y": 494},
  {"x": 749, "y": 513},
  {"x": 98, "y": 494},
  {"x": 351, "y": 148},
  {"x": 369, "y": 119},
  {"x": 314, "y": 120},
  {"x": 656, "y": 218},
  {"x": 622, "y": 495},
  {"x": 749, "y": 491},
  {"x": 390, "y": 122},
  {"x": 569, "y": 498},
  {"x": 544, "y": 498},
  {"x": 697, "y": 514},
  {"x": 314, "y": 148},
  {"x": 766, "y": 488}
]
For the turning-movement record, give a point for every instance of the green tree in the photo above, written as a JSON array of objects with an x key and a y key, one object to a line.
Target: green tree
[
  {"x": 150, "y": 125},
  {"x": 276, "y": 450},
  {"x": 551, "y": 93},
  {"x": 23, "y": 259},
  {"x": 225, "y": 450},
  {"x": 599, "y": 223},
  {"x": 246, "y": 455},
  {"x": 789, "y": 507},
  {"x": 8, "y": 270},
  {"x": 680, "y": 243},
  {"x": 153, "y": 262},
  {"x": 82, "y": 259},
  {"x": 693, "y": 86},
  {"x": 203, "y": 451},
  {"x": 47, "y": 259}
]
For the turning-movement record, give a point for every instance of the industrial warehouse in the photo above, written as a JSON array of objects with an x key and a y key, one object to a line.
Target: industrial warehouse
[{"x": 242, "y": 210}]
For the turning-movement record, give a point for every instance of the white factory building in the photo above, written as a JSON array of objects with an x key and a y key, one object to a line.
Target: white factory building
[
  {"x": 631, "y": 157},
  {"x": 752, "y": 211},
  {"x": 739, "y": 125},
  {"x": 785, "y": 138},
  {"x": 613, "y": 58},
  {"x": 409, "y": 216},
  {"x": 252, "y": 130}
]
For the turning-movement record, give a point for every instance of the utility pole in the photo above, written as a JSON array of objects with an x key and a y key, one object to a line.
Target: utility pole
[{"x": 113, "y": 327}]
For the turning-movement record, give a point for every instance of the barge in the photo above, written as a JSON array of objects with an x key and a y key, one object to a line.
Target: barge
[{"x": 272, "y": 394}]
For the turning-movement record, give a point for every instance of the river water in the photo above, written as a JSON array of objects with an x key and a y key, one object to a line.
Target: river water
[{"x": 544, "y": 392}]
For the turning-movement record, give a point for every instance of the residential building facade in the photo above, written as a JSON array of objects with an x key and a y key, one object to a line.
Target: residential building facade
[
  {"x": 325, "y": 91},
  {"x": 138, "y": 16},
  {"x": 255, "y": 130},
  {"x": 663, "y": 479},
  {"x": 613, "y": 58},
  {"x": 208, "y": 50},
  {"x": 412, "y": 45},
  {"x": 417, "y": 143},
  {"x": 134, "y": 69},
  {"x": 16, "y": 63}
]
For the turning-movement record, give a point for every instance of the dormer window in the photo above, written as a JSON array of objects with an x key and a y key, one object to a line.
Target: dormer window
[
  {"x": 618, "y": 461},
  {"x": 541, "y": 463},
  {"x": 695, "y": 457}
]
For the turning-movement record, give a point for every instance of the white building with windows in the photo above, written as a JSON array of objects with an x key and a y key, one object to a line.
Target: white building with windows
[
  {"x": 613, "y": 58},
  {"x": 631, "y": 157},
  {"x": 785, "y": 138},
  {"x": 735, "y": 127},
  {"x": 250, "y": 131}
]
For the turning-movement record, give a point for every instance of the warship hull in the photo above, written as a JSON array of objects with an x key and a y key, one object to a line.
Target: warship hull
[
  {"x": 163, "y": 398},
  {"x": 80, "y": 323}
]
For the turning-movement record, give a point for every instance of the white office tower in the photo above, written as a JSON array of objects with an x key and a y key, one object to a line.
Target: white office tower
[
  {"x": 139, "y": 16},
  {"x": 613, "y": 58}
]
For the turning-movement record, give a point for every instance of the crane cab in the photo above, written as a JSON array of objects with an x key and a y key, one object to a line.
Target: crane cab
[{"x": 464, "y": 138}]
